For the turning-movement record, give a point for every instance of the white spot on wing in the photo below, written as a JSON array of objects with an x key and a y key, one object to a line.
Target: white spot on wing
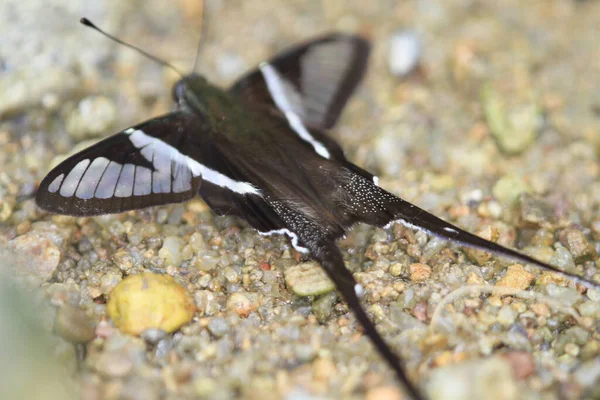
[
  {"x": 292, "y": 236},
  {"x": 143, "y": 181},
  {"x": 125, "y": 183},
  {"x": 53, "y": 187},
  {"x": 451, "y": 230},
  {"x": 108, "y": 182},
  {"x": 70, "y": 184},
  {"x": 281, "y": 96},
  {"x": 138, "y": 138},
  {"x": 376, "y": 180},
  {"x": 89, "y": 181}
]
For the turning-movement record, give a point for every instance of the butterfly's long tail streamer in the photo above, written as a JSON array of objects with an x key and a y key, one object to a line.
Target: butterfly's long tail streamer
[
  {"x": 379, "y": 207},
  {"x": 330, "y": 258}
]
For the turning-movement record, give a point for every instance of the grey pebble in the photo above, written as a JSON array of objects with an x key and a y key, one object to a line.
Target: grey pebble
[
  {"x": 218, "y": 326},
  {"x": 73, "y": 324},
  {"x": 405, "y": 50}
]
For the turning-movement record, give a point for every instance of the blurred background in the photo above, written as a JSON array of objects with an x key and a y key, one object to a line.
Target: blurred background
[{"x": 486, "y": 113}]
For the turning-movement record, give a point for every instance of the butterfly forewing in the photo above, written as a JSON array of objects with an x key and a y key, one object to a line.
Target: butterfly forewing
[
  {"x": 318, "y": 78},
  {"x": 139, "y": 167}
]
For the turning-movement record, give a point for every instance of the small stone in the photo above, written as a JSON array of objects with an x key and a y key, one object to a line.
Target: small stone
[
  {"x": 323, "y": 306},
  {"x": 562, "y": 259},
  {"x": 93, "y": 116},
  {"x": 514, "y": 128},
  {"x": 576, "y": 242},
  {"x": 572, "y": 349},
  {"x": 145, "y": 301},
  {"x": 590, "y": 309},
  {"x": 74, "y": 325},
  {"x": 474, "y": 279},
  {"x": 479, "y": 256},
  {"x": 419, "y": 272},
  {"x": 540, "y": 309},
  {"x": 534, "y": 211},
  {"x": 508, "y": 189},
  {"x": 153, "y": 335},
  {"x": 565, "y": 295},
  {"x": 36, "y": 257},
  {"x": 490, "y": 379},
  {"x": 404, "y": 52},
  {"x": 240, "y": 304},
  {"x": 384, "y": 393},
  {"x": 218, "y": 326},
  {"x": 516, "y": 277},
  {"x": 324, "y": 369},
  {"x": 522, "y": 363},
  {"x": 110, "y": 280},
  {"x": 396, "y": 269},
  {"x": 506, "y": 315},
  {"x": 114, "y": 364},
  {"x": 588, "y": 373},
  {"x": 170, "y": 251},
  {"x": 308, "y": 279}
]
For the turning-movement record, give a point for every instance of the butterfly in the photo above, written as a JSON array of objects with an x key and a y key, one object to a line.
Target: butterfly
[{"x": 259, "y": 151}]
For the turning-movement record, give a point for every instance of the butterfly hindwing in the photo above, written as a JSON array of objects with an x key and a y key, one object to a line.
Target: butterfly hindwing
[
  {"x": 315, "y": 79},
  {"x": 139, "y": 167}
]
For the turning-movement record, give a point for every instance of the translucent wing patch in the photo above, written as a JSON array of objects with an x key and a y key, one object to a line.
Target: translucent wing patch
[
  {"x": 317, "y": 79},
  {"x": 150, "y": 164}
]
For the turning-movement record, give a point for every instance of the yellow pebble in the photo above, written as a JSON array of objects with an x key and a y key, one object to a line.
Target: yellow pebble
[
  {"x": 419, "y": 272},
  {"x": 516, "y": 277},
  {"x": 145, "y": 301}
]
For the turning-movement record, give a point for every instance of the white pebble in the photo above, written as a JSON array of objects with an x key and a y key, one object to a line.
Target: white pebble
[{"x": 404, "y": 52}]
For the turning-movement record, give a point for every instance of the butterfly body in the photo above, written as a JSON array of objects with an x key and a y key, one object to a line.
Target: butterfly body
[{"x": 258, "y": 151}]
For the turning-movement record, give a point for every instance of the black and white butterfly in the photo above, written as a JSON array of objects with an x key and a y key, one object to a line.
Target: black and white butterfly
[{"x": 259, "y": 151}]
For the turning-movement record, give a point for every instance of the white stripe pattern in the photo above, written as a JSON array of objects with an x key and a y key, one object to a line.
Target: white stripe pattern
[
  {"x": 281, "y": 92},
  {"x": 163, "y": 156}
]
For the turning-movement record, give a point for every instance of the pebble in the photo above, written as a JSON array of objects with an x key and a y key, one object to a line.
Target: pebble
[
  {"x": 404, "y": 52},
  {"x": 490, "y": 379},
  {"x": 240, "y": 304},
  {"x": 218, "y": 326},
  {"x": 419, "y": 272},
  {"x": 588, "y": 373},
  {"x": 508, "y": 189},
  {"x": 534, "y": 210},
  {"x": 113, "y": 364},
  {"x": 516, "y": 277},
  {"x": 308, "y": 279},
  {"x": 565, "y": 295},
  {"x": 396, "y": 269},
  {"x": 384, "y": 393},
  {"x": 514, "y": 129},
  {"x": 149, "y": 300},
  {"x": 479, "y": 256},
  {"x": 323, "y": 306},
  {"x": 577, "y": 244},
  {"x": 522, "y": 363},
  {"x": 93, "y": 116},
  {"x": 74, "y": 325},
  {"x": 153, "y": 335},
  {"x": 110, "y": 280},
  {"x": 170, "y": 251},
  {"x": 540, "y": 309},
  {"x": 506, "y": 315},
  {"x": 36, "y": 257}
]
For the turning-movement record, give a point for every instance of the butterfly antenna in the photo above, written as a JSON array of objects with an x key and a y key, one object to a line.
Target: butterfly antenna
[
  {"x": 202, "y": 34},
  {"x": 89, "y": 24}
]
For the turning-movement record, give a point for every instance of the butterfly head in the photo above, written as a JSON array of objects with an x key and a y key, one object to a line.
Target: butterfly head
[{"x": 186, "y": 91}]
